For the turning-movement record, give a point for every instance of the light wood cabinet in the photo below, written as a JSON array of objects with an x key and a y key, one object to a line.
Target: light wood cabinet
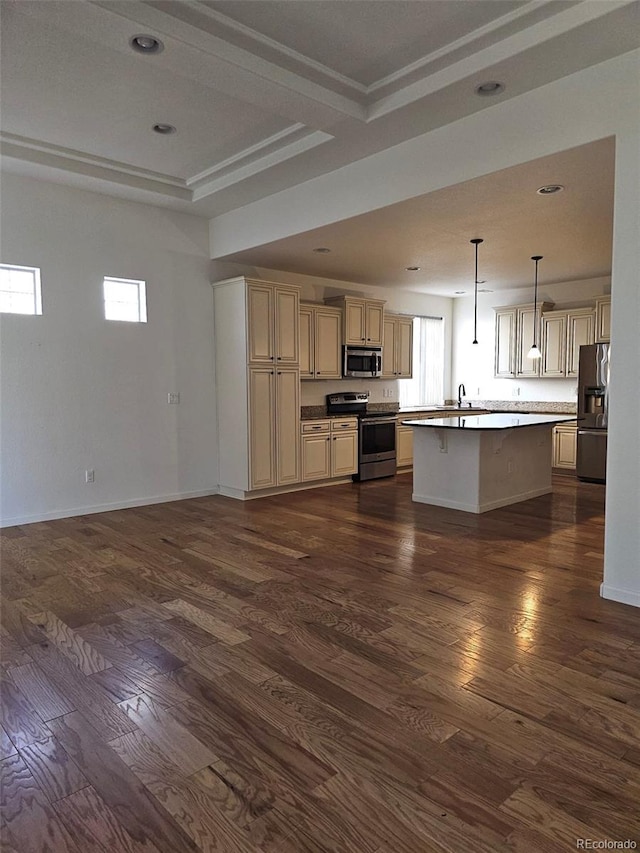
[
  {"x": 505, "y": 343},
  {"x": 257, "y": 385},
  {"x": 287, "y": 420},
  {"x": 563, "y": 333},
  {"x": 565, "y": 446},
  {"x": 329, "y": 448},
  {"x": 513, "y": 338},
  {"x": 274, "y": 411},
  {"x": 397, "y": 347},
  {"x": 603, "y": 320},
  {"x": 363, "y": 319},
  {"x": 580, "y": 332},
  {"x": 344, "y": 453},
  {"x": 527, "y": 321},
  {"x": 404, "y": 446},
  {"x": 553, "y": 343},
  {"x": 273, "y": 323},
  {"x": 320, "y": 342}
]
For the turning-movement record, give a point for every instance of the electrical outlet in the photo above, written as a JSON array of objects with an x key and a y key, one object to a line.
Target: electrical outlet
[
  {"x": 515, "y": 392},
  {"x": 478, "y": 391},
  {"x": 89, "y": 476},
  {"x": 509, "y": 466},
  {"x": 173, "y": 399}
]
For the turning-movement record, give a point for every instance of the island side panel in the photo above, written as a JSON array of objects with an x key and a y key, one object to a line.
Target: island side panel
[
  {"x": 446, "y": 468},
  {"x": 515, "y": 465}
]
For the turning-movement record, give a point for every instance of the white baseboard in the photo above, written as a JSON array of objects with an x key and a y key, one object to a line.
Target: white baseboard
[
  {"x": 241, "y": 495},
  {"x": 90, "y": 510},
  {"x": 624, "y": 596},
  {"x": 477, "y": 508}
]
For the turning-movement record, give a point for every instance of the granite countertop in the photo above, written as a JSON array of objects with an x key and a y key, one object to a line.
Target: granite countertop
[
  {"x": 490, "y": 422},
  {"x": 493, "y": 406}
]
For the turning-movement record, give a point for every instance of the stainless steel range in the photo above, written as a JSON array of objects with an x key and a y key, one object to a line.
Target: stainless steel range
[{"x": 376, "y": 432}]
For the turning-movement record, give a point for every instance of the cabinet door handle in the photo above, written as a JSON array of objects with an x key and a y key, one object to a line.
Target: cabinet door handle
[
  {"x": 334, "y": 438},
  {"x": 279, "y": 373},
  {"x": 316, "y": 427},
  {"x": 279, "y": 358},
  {"x": 328, "y": 439},
  {"x": 271, "y": 358}
]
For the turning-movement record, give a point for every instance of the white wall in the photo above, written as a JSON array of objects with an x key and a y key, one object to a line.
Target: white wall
[
  {"x": 315, "y": 289},
  {"x": 473, "y": 364},
  {"x": 592, "y": 104},
  {"x": 79, "y": 392}
]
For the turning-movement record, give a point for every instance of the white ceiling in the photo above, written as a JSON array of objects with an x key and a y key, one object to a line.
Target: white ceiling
[{"x": 266, "y": 94}]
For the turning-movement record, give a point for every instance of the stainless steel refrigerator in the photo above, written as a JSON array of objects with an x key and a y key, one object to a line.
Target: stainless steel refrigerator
[{"x": 593, "y": 398}]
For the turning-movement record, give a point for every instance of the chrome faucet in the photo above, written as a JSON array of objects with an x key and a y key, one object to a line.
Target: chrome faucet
[{"x": 462, "y": 392}]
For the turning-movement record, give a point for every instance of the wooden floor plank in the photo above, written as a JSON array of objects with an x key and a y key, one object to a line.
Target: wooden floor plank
[
  {"x": 30, "y": 824},
  {"x": 347, "y": 672}
]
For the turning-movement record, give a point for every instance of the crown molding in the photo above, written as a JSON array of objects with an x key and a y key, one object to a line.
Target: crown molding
[
  {"x": 269, "y": 152},
  {"x": 78, "y": 162}
]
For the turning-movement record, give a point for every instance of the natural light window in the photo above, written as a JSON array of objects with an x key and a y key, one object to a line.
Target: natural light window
[
  {"x": 426, "y": 387},
  {"x": 20, "y": 290},
  {"x": 125, "y": 299}
]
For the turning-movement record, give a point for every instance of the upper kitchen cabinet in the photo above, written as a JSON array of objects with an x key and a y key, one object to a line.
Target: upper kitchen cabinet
[
  {"x": 563, "y": 333},
  {"x": 273, "y": 323},
  {"x": 320, "y": 342},
  {"x": 603, "y": 320},
  {"x": 505, "y": 344},
  {"x": 515, "y": 325},
  {"x": 397, "y": 347},
  {"x": 363, "y": 320}
]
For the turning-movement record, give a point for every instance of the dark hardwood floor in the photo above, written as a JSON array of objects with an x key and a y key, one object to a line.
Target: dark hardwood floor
[{"x": 333, "y": 670}]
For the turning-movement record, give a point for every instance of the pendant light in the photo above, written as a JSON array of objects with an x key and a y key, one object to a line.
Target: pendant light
[
  {"x": 534, "y": 352},
  {"x": 476, "y": 241}
]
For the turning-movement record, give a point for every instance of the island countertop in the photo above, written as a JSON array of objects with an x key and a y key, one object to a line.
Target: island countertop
[{"x": 489, "y": 422}]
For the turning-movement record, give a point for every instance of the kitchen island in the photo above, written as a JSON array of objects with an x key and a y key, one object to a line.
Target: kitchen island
[{"x": 476, "y": 463}]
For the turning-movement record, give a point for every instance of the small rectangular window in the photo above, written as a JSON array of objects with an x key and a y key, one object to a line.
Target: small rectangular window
[
  {"x": 20, "y": 290},
  {"x": 125, "y": 299}
]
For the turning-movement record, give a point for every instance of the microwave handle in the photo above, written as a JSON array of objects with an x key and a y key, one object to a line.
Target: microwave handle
[{"x": 377, "y": 360}]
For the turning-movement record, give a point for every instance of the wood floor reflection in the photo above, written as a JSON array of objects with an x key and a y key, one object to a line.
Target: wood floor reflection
[{"x": 333, "y": 670}]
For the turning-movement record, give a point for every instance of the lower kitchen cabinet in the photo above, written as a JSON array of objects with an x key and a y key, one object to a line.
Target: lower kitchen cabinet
[
  {"x": 329, "y": 449},
  {"x": 274, "y": 406},
  {"x": 565, "y": 440},
  {"x": 344, "y": 453},
  {"x": 404, "y": 446}
]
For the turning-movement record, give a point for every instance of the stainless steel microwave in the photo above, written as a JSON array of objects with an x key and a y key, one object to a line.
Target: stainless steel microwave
[{"x": 365, "y": 362}]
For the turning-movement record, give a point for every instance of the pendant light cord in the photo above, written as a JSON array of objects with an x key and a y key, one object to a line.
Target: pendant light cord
[
  {"x": 535, "y": 259},
  {"x": 476, "y": 241}
]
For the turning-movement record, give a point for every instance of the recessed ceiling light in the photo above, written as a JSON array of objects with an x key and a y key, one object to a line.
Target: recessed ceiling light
[
  {"x": 143, "y": 43},
  {"x": 485, "y": 290},
  {"x": 412, "y": 269},
  {"x": 322, "y": 250},
  {"x": 491, "y": 87},
  {"x": 550, "y": 189},
  {"x": 459, "y": 292},
  {"x": 164, "y": 129}
]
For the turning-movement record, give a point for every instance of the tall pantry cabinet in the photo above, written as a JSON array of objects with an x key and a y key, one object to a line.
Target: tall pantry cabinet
[{"x": 257, "y": 385}]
